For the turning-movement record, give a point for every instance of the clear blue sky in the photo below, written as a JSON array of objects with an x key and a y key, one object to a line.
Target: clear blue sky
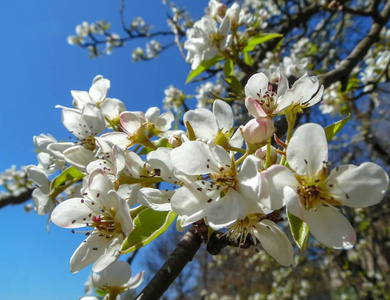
[{"x": 38, "y": 70}]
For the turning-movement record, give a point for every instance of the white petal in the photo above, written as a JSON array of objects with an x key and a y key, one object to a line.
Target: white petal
[
  {"x": 122, "y": 215},
  {"x": 282, "y": 85},
  {"x": 79, "y": 157},
  {"x": 203, "y": 122},
  {"x": 136, "y": 281},
  {"x": 111, "y": 254},
  {"x": 225, "y": 26},
  {"x": 99, "y": 89},
  {"x": 130, "y": 121},
  {"x": 317, "y": 98},
  {"x": 257, "y": 84},
  {"x": 152, "y": 114},
  {"x": 236, "y": 140},
  {"x": 293, "y": 203},
  {"x": 359, "y": 186},
  {"x": 160, "y": 159},
  {"x": 191, "y": 202},
  {"x": 226, "y": 210},
  {"x": 115, "y": 275},
  {"x": 223, "y": 114},
  {"x": 94, "y": 120},
  {"x": 99, "y": 184},
  {"x": 308, "y": 149},
  {"x": 275, "y": 242},
  {"x": 164, "y": 122},
  {"x": 80, "y": 98},
  {"x": 112, "y": 108},
  {"x": 330, "y": 227},
  {"x": 254, "y": 108},
  {"x": 304, "y": 88},
  {"x": 73, "y": 213},
  {"x": 273, "y": 180},
  {"x": 155, "y": 199},
  {"x": 119, "y": 139},
  {"x": 201, "y": 159},
  {"x": 88, "y": 251}
]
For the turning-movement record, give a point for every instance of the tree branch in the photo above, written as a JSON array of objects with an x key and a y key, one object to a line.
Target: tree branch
[
  {"x": 342, "y": 72},
  {"x": 183, "y": 254},
  {"x": 13, "y": 200}
]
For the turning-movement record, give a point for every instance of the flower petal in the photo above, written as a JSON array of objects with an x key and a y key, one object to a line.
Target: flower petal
[
  {"x": 359, "y": 186},
  {"x": 308, "y": 149},
  {"x": 273, "y": 180},
  {"x": 223, "y": 114},
  {"x": 275, "y": 242},
  {"x": 257, "y": 85},
  {"x": 88, "y": 251},
  {"x": 226, "y": 210},
  {"x": 330, "y": 227},
  {"x": 73, "y": 213},
  {"x": 203, "y": 122},
  {"x": 155, "y": 199}
]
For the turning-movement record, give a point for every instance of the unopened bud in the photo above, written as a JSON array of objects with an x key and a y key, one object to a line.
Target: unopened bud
[
  {"x": 262, "y": 153},
  {"x": 175, "y": 138},
  {"x": 258, "y": 131}
]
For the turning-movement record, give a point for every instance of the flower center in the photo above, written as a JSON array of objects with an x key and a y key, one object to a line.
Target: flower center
[
  {"x": 268, "y": 102},
  {"x": 314, "y": 191}
]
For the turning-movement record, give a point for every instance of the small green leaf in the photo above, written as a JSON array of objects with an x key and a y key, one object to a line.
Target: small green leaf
[
  {"x": 228, "y": 68},
  {"x": 148, "y": 225},
  {"x": 235, "y": 84},
  {"x": 300, "y": 231},
  {"x": 70, "y": 174},
  {"x": 333, "y": 129},
  {"x": 205, "y": 65},
  {"x": 248, "y": 60},
  {"x": 259, "y": 39}
]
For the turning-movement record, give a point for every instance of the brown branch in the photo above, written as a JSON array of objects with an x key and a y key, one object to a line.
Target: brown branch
[
  {"x": 183, "y": 254},
  {"x": 342, "y": 72},
  {"x": 13, "y": 200}
]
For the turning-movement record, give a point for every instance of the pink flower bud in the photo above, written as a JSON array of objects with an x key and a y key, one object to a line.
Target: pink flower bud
[{"x": 258, "y": 131}]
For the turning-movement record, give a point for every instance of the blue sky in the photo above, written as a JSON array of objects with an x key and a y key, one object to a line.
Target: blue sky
[{"x": 39, "y": 69}]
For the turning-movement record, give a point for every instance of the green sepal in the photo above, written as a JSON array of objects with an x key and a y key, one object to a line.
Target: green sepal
[
  {"x": 190, "y": 131},
  {"x": 148, "y": 225},
  {"x": 332, "y": 130},
  {"x": 205, "y": 65},
  {"x": 162, "y": 142},
  {"x": 299, "y": 230},
  {"x": 259, "y": 39}
]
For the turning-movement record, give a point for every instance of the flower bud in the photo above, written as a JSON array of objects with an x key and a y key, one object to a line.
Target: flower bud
[
  {"x": 258, "y": 131},
  {"x": 262, "y": 153},
  {"x": 175, "y": 138}
]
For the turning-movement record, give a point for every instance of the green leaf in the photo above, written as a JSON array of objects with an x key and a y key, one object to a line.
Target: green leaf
[
  {"x": 205, "y": 65},
  {"x": 248, "y": 60},
  {"x": 228, "y": 68},
  {"x": 333, "y": 129},
  {"x": 148, "y": 225},
  {"x": 259, "y": 39},
  {"x": 70, "y": 174},
  {"x": 300, "y": 231},
  {"x": 235, "y": 84}
]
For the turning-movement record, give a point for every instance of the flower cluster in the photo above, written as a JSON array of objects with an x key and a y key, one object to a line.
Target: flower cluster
[{"x": 122, "y": 157}]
